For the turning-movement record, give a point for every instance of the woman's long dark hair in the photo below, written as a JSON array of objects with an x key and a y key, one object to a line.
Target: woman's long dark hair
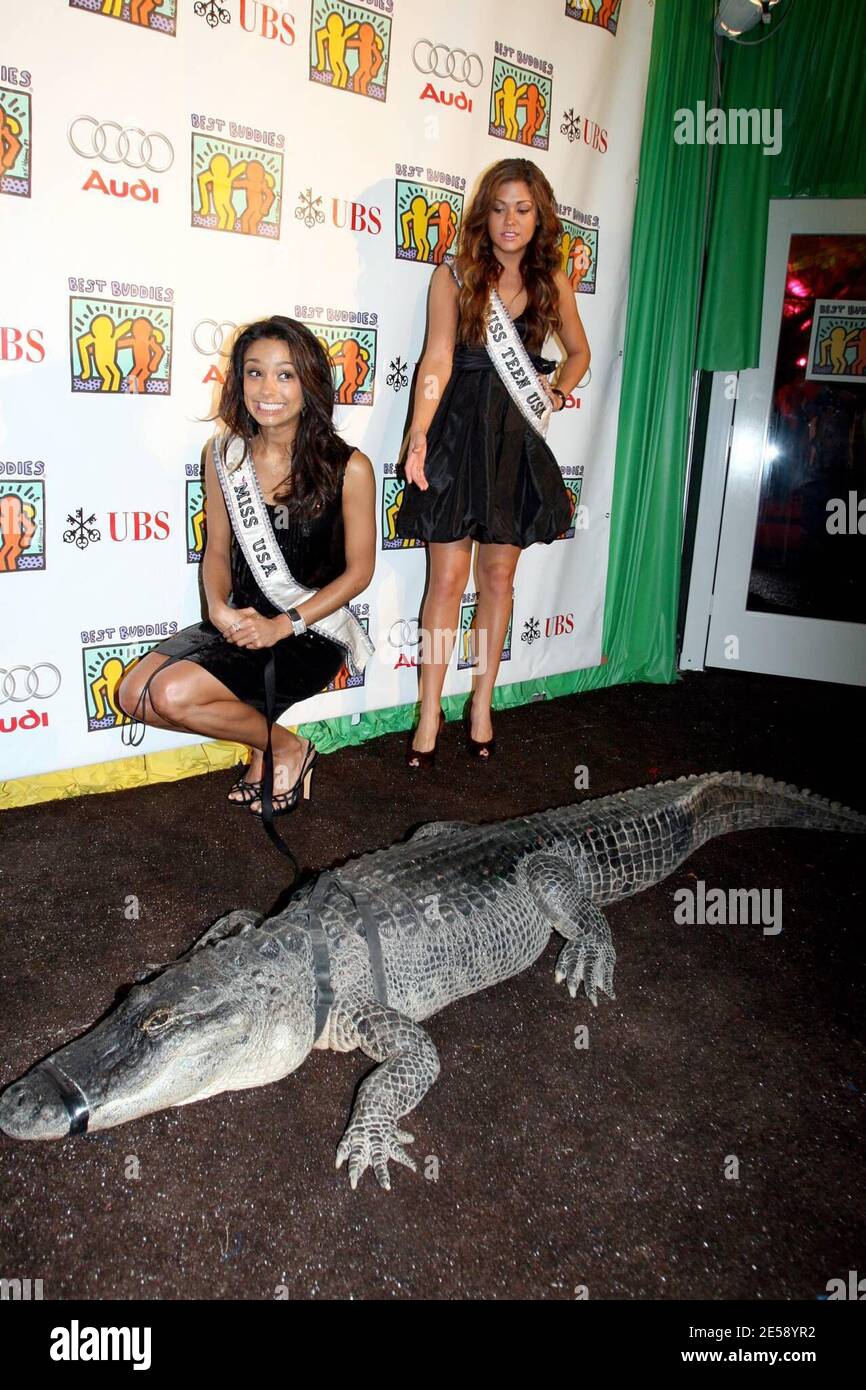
[
  {"x": 479, "y": 268},
  {"x": 319, "y": 454}
]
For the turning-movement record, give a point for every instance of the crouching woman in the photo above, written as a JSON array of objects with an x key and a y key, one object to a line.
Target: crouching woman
[{"x": 291, "y": 538}]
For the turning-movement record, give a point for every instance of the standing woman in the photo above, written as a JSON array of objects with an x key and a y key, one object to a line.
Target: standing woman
[
  {"x": 291, "y": 538},
  {"x": 478, "y": 468}
]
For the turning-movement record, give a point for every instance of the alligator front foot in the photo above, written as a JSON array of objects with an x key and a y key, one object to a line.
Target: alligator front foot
[
  {"x": 409, "y": 1066},
  {"x": 372, "y": 1142}
]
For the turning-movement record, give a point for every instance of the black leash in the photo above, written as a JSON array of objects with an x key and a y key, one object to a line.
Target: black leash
[
  {"x": 132, "y": 734},
  {"x": 267, "y": 796}
]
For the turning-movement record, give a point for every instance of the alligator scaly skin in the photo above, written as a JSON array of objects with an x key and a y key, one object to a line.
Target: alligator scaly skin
[{"x": 458, "y": 907}]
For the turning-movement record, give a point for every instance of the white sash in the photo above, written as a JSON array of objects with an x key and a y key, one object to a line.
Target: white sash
[
  {"x": 512, "y": 362},
  {"x": 255, "y": 536}
]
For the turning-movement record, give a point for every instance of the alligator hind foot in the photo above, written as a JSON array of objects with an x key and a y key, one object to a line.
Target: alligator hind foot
[
  {"x": 588, "y": 961},
  {"x": 588, "y": 956}
]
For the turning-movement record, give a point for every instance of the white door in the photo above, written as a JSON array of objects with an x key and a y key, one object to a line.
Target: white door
[{"x": 789, "y": 594}]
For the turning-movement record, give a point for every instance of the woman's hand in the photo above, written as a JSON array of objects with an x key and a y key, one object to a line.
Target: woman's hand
[
  {"x": 415, "y": 459},
  {"x": 556, "y": 401},
  {"x": 252, "y": 629}
]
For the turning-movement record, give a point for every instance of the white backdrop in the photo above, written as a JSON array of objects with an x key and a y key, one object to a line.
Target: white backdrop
[{"x": 167, "y": 179}]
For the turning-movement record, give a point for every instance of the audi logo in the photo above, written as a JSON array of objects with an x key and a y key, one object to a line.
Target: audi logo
[
  {"x": 404, "y": 633},
  {"x": 215, "y": 337},
  {"x": 32, "y": 682},
  {"x": 442, "y": 61},
  {"x": 129, "y": 145}
]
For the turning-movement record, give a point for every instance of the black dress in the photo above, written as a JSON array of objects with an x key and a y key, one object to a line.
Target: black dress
[
  {"x": 315, "y": 554},
  {"x": 490, "y": 475}
]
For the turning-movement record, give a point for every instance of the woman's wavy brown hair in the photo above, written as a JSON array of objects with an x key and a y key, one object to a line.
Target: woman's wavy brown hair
[
  {"x": 479, "y": 269},
  {"x": 319, "y": 456}
]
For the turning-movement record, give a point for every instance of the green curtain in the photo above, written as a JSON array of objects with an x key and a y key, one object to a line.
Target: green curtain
[
  {"x": 813, "y": 72},
  {"x": 812, "y": 69}
]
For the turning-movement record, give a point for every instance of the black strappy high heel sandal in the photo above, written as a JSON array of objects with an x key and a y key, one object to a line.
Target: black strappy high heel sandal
[
  {"x": 249, "y": 792},
  {"x": 284, "y": 802}
]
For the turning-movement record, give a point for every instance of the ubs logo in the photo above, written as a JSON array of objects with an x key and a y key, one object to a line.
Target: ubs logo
[
  {"x": 267, "y": 22},
  {"x": 21, "y": 345}
]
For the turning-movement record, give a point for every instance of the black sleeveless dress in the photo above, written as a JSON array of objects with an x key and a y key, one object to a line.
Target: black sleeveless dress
[
  {"x": 314, "y": 551},
  {"x": 491, "y": 476}
]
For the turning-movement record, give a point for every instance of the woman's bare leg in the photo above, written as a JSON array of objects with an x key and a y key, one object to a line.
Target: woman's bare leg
[
  {"x": 449, "y": 571},
  {"x": 495, "y": 566},
  {"x": 188, "y": 699}
]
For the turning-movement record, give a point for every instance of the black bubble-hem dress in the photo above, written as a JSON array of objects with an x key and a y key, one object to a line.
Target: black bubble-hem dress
[
  {"x": 315, "y": 554},
  {"x": 490, "y": 475}
]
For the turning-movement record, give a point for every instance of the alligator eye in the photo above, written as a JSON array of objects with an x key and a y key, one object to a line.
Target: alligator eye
[{"x": 157, "y": 1020}]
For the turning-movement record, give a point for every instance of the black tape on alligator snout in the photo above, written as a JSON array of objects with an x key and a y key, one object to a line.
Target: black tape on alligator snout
[
  {"x": 76, "y": 1102},
  {"x": 324, "y": 990}
]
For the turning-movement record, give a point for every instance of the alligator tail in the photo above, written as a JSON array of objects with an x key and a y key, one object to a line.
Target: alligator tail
[{"x": 722, "y": 802}]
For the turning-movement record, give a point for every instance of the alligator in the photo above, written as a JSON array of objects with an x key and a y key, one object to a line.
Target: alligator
[{"x": 362, "y": 954}]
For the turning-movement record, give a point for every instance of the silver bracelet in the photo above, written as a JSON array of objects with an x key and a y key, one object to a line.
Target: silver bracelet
[{"x": 298, "y": 624}]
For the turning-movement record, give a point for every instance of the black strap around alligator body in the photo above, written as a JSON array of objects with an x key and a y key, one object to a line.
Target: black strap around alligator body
[
  {"x": 76, "y": 1102},
  {"x": 319, "y": 940}
]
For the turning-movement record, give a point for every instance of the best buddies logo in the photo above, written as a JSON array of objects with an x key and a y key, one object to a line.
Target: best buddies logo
[
  {"x": 237, "y": 177},
  {"x": 521, "y": 93},
  {"x": 15, "y": 123},
  {"x": 392, "y": 500},
  {"x": 116, "y": 344},
  {"x": 159, "y": 15},
  {"x": 195, "y": 520},
  {"x": 578, "y": 248},
  {"x": 106, "y": 662},
  {"x": 348, "y": 676},
  {"x": 350, "y": 46},
  {"x": 350, "y": 348},
  {"x": 603, "y": 14},
  {"x": 426, "y": 215},
  {"x": 22, "y": 516},
  {"x": 467, "y": 655}
]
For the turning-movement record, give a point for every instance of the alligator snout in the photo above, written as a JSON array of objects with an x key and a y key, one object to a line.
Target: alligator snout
[{"x": 32, "y": 1108}]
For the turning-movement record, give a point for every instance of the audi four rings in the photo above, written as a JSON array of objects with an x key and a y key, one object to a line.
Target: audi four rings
[
  {"x": 446, "y": 66},
  {"x": 217, "y": 336},
  {"x": 129, "y": 146},
  {"x": 406, "y": 632},
  {"x": 33, "y": 683}
]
